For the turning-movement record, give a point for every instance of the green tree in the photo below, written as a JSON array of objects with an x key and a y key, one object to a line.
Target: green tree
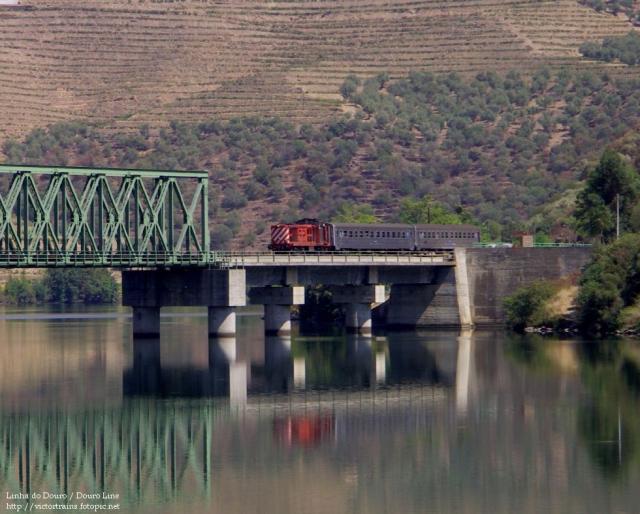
[
  {"x": 610, "y": 282},
  {"x": 355, "y": 213},
  {"x": 595, "y": 209},
  {"x": 81, "y": 285},
  {"x": 427, "y": 210}
]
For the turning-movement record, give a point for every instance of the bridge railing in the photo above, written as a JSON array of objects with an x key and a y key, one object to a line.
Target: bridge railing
[
  {"x": 107, "y": 259},
  {"x": 239, "y": 259},
  {"x": 536, "y": 245}
]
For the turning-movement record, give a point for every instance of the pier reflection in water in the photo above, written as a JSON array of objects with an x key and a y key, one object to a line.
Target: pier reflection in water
[{"x": 405, "y": 422}]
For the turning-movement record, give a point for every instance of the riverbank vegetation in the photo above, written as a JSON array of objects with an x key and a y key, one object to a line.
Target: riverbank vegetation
[
  {"x": 62, "y": 286},
  {"x": 609, "y": 285},
  {"x": 528, "y": 306},
  {"x": 608, "y": 292}
]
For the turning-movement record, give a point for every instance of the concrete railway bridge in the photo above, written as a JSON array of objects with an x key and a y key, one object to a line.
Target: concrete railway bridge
[{"x": 153, "y": 226}]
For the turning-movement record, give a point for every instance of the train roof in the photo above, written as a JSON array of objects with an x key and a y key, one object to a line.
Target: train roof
[
  {"x": 452, "y": 226},
  {"x": 400, "y": 226},
  {"x": 372, "y": 226}
]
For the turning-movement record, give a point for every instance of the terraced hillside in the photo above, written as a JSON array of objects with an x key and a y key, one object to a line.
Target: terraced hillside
[{"x": 123, "y": 63}]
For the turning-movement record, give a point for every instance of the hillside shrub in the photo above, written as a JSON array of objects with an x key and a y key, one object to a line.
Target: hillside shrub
[{"x": 626, "y": 49}]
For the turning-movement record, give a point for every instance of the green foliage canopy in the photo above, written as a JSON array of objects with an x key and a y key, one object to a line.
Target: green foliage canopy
[
  {"x": 596, "y": 204},
  {"x": 355, "y": 213},
  {"x": 624, "y": 48},
  {"x": 80, "y": 286},
  {"x": 90, "y": 286},
  {"x": 528, "y": 305},
  {"x": 610, "y": 282}
]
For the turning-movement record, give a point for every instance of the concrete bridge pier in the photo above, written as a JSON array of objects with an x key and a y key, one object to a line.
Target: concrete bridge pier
[
  {"x": 277, "y": 302},
  {"x": 147, "y": 291},
  {"x": 358, "y": 300},
  {"x": 222, "y": 351},
  {"x": 358, "y": 317},
  {"x": 146, "y": 322},
  {"x": 222, "y": 321}
]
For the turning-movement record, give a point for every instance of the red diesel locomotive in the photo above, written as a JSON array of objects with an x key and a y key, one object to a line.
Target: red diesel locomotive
[
  {"x": 305, "y": 234},
  {"x": 313, "y": 235}
]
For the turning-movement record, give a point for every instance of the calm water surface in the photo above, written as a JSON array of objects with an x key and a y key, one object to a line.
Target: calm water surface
[{"x": 417, "y": 422}]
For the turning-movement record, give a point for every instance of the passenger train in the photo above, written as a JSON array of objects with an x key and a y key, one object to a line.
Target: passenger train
[{"x": 314, "y": 235}]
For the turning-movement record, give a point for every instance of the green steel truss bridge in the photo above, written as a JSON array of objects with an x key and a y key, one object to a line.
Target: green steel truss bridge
[{"x": 103, "y": 217}]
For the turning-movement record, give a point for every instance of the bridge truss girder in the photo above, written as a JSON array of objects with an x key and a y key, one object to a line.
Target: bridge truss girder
[{"x": 103, "y": 217}]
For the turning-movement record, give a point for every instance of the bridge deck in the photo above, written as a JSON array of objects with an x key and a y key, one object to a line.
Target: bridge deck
[
  {"x": 433, "y": 258},
  {"x": 224, "y": 259}
]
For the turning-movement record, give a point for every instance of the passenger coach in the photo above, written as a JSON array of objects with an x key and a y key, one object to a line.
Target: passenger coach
[{"x": 314, "y": 235}]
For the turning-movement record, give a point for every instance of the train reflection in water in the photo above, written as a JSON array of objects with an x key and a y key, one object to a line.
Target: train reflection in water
[
  {"x": 352, "y": 421},
  {"x": 158, "y": 451}
]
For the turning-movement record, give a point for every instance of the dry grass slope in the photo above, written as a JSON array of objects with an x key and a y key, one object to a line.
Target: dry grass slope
[{"x": 123, "y": 63}]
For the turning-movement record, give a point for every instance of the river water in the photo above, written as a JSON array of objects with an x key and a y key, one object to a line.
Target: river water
[{"x": 413, "y": 422}]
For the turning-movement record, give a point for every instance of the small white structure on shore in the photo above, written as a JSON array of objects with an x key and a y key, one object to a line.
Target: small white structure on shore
[{"x": 9, "y": 2}]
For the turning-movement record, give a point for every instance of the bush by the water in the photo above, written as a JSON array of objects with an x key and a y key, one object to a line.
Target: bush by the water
[
  {"x": 528, "y": 306},
  {"x": 91, "y": 286},
  {"x": 22, "y": 291},
  {"x": 81, "y": 286},
  {"x": 609, "y": 283}
]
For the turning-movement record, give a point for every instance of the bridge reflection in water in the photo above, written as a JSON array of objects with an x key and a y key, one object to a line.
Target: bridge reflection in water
[
  {"x": 347, "y": 424},
  {"x": 154, "y": 451},
  {"x": 146, "y": 453}
]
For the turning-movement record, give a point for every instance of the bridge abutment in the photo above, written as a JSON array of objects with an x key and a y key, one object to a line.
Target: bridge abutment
[{"x": 426, "y": 305}]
